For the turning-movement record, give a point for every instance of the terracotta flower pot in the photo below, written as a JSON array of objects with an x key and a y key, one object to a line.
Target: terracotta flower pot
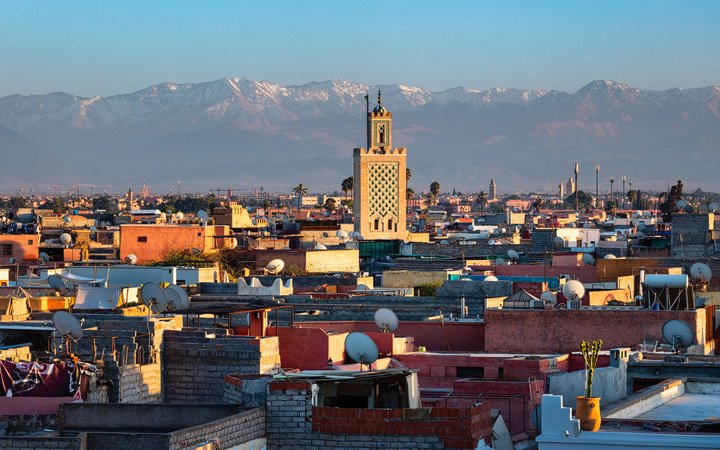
[{"x": 587, "y": 412}]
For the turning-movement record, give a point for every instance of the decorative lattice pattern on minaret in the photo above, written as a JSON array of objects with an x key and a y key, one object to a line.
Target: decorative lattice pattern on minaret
[{"x": 383, "y": 189}]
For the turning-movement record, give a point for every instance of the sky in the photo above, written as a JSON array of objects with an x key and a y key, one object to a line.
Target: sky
[{"x": 109, "y": 47}]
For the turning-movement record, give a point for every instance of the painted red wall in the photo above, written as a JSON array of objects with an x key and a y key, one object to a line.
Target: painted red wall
[{"x": 586, "y": 274}]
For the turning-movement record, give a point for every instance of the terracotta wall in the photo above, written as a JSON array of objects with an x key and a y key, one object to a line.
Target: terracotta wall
[
  {"x": 586, "y": 274},
  {"x": 24, "y": 247},
  {"x": 561, "y": 330},
  {"x": 161, "y": 239}
]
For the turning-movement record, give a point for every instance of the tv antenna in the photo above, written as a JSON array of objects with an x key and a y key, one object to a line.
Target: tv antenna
[
  {"x": 68, "y": 327},
  {"x": 574, "y": 292},
  {"x": 177, "y": 297},
  {"x": 154, "y": 297},
  {"x": 513, "y": 255},
  {"x": 131, "y": 259},
  {"x": 275, "y": 266},
  {"x": 678, "y": 334}
]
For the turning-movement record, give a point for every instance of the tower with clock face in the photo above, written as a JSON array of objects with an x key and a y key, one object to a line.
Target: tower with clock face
[{"x": 380, "y": 181}]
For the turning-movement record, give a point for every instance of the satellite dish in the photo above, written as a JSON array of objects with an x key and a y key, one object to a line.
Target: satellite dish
[
  {"x": 342, "y": 234},
  {"x": 491, "y": 278},
  {"x": 65, "y": 238},
  {"x": 361, "y": 287},
  {"x": 154, "y": 297},
  {"x": 11, "y": 261},
  {"x": 360, "y": 348},
  {"x": 56, "y": 282},
  {"x": 514, "y": 255},
  {"x": 588, "y": 259},
  {"x": 648, "y": 214},
  {"x": 549, "y": 297},
  {"x": 93, "y": 229},
  {"x": 202, "y": 215},
  {"x": 610, "y": 256},
  {"x": 701, "y": 272},
  {"x": 574, "y": 290},
  {"x": 681, "y": 204},
  {"x": 43, "y": 257},
  {"x": 179, "y": 216},
  {"x": 275, "y": 266},
  {"x": 572, "y": 225},
  {"x": 67, "y": 325},
  {"x": 386, "y": 320},
  {"x": 714, "y": 207},
  {"x": 471, "y": 227},
  {"x": 678, "y": 333},
  {"x": 180, "y": 299},
  {"x": 500, "y": 262},
  {"x": 325, "y": 234},
  {"x": 689, "y": 209},
  {"x": 131, "y": 259},
  {"x": 559, "y": 241},
  {"x": 67, "y": 219},
  {"x": 703, "y": 209},
  {"x": 320, "y": 247},
  {"x": 232, "y": 243}
]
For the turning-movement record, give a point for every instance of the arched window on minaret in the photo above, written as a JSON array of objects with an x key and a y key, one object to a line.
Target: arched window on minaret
[
  {"x": 390, "y": 225},
  {"x": 377, "y": 224},
  {"x": 381, "y": 134}
]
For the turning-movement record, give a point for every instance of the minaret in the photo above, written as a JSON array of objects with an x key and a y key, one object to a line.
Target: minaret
[
  {"x": 492, "y": 192},
  {"x": 380, "y": 181}
]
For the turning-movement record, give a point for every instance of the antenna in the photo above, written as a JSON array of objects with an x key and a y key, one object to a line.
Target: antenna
[
  {"x": 131, "y": 259},
  {"x": 275, "y": 266},
  {"x": 320, "y": 247},
  {"x": 588, "y": 259},
  {"x": 560, "y": 242},
  {"x": 513, "y": 255},
  {"x": 56, "y": 282},
  {"x": 573, "y": 290},
  {"x": 713, "y": 207},
  {"x": 610, "y": 256},
  {"x": 179, "y": 216},
  {"x": 66, "y": 239},
  {"x": 342, "y": 234},
  {"x": 701, "y": 272},
  {"x": 681, "y": 204},
  {"x": 386, "y": 320},
  {"x": 177, "y": 297},
  {"x": 361, "y": 349},
  {"x": 154, "y": 297},
  {"x": 491, "y": 278},
  {"x": 678, "y": 334},
  {"x": 202, "y": 215},
  {"x": 549, "y": 298},
  {"x": 500, "y": 262},
  {"x": 67, "y": 325},
  {"x": 43, "y": 257}
]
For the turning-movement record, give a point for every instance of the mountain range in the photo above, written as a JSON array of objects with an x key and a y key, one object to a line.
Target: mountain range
[{"x": 242, "y": 133}]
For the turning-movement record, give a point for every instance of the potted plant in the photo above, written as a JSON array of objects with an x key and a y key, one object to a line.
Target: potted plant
[{"x": 588, "y": 407}]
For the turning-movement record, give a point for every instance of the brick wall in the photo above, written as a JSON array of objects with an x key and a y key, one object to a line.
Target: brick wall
[
  {"x": 195, "y": 363},
  {"x": 246, "y": 390},
  {"x": 78, "y": 442},
  {"x": 292, "y": 422},
  {"x": 140, "y": 383}
]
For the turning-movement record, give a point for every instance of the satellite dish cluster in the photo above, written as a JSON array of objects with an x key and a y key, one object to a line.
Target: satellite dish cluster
[{"x": 160, "y": 299}]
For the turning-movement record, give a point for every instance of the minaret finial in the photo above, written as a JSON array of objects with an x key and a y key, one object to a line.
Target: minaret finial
[{"x": 379, "y": 97}]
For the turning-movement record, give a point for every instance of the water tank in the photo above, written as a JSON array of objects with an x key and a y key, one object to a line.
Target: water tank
[{"x": 659, "y": 281}]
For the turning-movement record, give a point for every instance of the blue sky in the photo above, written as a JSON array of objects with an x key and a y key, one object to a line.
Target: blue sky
[{"x": 108, "y": 47}]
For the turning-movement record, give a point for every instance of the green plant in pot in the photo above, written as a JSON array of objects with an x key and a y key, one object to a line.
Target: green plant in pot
[{"x": 588, "y": 407}]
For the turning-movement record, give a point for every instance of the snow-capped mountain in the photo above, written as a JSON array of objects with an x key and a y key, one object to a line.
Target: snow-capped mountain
[{"x": 236, "y": 130}]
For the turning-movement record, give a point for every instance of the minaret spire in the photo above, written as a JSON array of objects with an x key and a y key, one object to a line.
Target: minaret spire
[
  {"x": 367, "y": 111},
  {"x": 379, "y": 97}
]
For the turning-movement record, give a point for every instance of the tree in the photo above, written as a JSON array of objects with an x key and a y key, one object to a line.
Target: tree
[
  {"x": 667, "y": 201},
  {"x": 300, "y": 191},
  {"x": 632, "y": 196},
  {"x": 347, "y": 186},
  {"x": 409, "y": 193},
  {"x": 585, "y": 200},
  {"x": 102, "y": 203},
  {"x": 538, "y": 203},
  {"x": 435, "y": 188},
  {"x": 408, "y": 174},
  {"x": 430, "y": 200},
  {"x": 611, "y": 207},
  {"x": 482, "y": 200},
  {"x": 330, "y": 205}
]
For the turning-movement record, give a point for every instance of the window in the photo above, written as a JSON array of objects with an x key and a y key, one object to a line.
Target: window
[
  {"x": 142, "y": 238},
  {"x": 30, "y": 242},
  {"x": 6, "y": 250},
  {"x": 470, "y": 372},
  {"x": 390, "y": 223},
  {"x": 199, "y": 234},
  {"x": 501, "y": 373},
  {"x": 376, "y": 225}
]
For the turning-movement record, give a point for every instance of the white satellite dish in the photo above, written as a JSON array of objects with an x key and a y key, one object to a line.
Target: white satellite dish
[
  {"x": 341, "y": 234},
  {"x": 559, "y": 241},
  {"x": 678, "y": 333},
  {"x": 500, "y": 262},
  {"x": 573, "y": 290},
  {"x": 647, "y": 215},
  {"x": 471, "y": 227},
  {"x": 154, "y": 297},
  {"x": 67, "y": 219},
  {"x": 703, "y": 209},
  {"x": 361, "y": 287},
  {"x": 701, "y": 271},
  {"x": 588, "y": 259},
  {"x": 43, "y": 257},
  {"x": 177, "y": 297},
  {"x": 610, "y": 256},
  {"x": 491, "y": 278},
  {"x": 549, "y": 298},
  {"x": 93, "y": 229},
  {"x": 232, "y": 243},
  {"x": 275, "y": 266},
  {"x": 513, "y": 255},
  {"x": 386, "y": 320},
  {"x": 131, "y": 259},
  {"x": 681, "y": 204},
  {"x": 320, "y": 247},
  {"x": 202, "y": 215},
  {"x": 65, "y": 238},
  {"x": 360, "y": 348},
  {"x": 56, "y": 282},
  {"x": 714, "y": 207},
  {"x": 179, "y": 216},
  {"x": 67, "y": 325}
]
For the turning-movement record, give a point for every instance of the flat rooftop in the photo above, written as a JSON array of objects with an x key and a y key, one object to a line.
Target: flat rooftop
[{"x": 686, "y": 407}]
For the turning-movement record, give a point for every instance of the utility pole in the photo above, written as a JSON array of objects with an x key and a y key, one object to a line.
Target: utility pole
[
  {"x": 597, "y": 185},
  {"x": 612, "y": 180},
  {"x": 623, "y": 181},
  {"x": 576, "y": 185}
]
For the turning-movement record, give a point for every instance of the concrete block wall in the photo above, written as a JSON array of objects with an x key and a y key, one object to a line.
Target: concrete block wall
[
  {"x": 292, "y": 422},
  {"x": 195, "y": 363},
  {"x": 44, "y": 442},
  {"x": 228, "y": 432},
  {"x": 246, "y": 390},
  {"x": 140, "y": 383}
]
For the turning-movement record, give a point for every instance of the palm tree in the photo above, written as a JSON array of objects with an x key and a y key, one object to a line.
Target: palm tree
[
  {"x": 434, "y": 188},
  {"x": 482, "y": 200},
  {"x": 299, "y": 191},
  {"x": 409, "y": 193},
  {"x": 538, "y": 204},
  {"x": 347, "y": 186},
  {"x": 408, "y": 174}
]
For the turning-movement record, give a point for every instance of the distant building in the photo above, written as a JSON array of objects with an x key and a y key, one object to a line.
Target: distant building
[
  {"x": 492, "y": 192},
  {"x": 380, "y": 180},
  {"x": 570, "y": 186}
]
